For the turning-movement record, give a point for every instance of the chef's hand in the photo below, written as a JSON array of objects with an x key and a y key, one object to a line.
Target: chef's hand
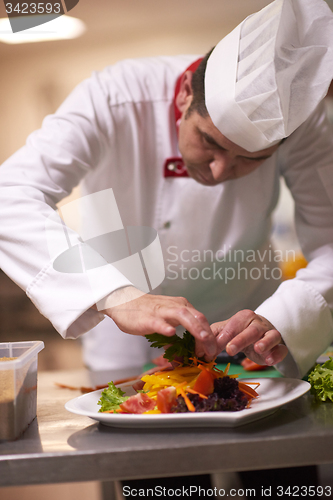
[
  {"x": 141, "y": 314},
  {"x": 252, "y": 334}
]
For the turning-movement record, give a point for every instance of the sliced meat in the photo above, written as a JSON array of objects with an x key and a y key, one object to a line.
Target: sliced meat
[{"x": 138, "y": 404}]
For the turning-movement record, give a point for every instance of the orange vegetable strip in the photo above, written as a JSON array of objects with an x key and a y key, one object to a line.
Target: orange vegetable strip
[
  {"x": 226, "y": 369},
  {"x": 207, "y": 364},
  {"x": 181, "y": 384},
  {"x": 210, "y": 369},
  {"x": 247, "y": 384},
  {"x": 249, "y": 396},
  {"x": 192, "y": 391},
  {"x": 248, "y": 390},
  {"x": 179, "y": 362},
  {"x": 187, "y": 401},
  {"x": 205, "y": 367}
]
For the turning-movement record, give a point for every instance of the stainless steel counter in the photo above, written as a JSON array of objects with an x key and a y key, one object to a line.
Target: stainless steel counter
[{"x": 62, "y": 447}]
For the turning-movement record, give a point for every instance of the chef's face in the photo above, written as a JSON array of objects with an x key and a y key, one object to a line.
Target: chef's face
[{"x": 210, "y": 157}]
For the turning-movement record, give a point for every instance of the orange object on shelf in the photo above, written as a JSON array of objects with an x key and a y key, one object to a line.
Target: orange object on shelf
[{"x": 291, "y": 266}]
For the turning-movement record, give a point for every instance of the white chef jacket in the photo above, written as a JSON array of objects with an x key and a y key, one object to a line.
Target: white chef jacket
[{"x": 116, "y": 130}]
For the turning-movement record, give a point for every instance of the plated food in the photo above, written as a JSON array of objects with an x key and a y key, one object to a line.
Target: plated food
[
  {"x": 198, "y": 387},
  {"x": 166, "y": 398},
  {"x": 273, "y": 393},
  {"x": 193, "y": 385}
]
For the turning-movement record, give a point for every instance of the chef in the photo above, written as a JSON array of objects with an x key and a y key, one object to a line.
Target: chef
[{"x": 194, "y": 149}]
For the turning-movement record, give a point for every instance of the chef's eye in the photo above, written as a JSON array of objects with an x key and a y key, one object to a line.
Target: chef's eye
[
  {"x": 207, "y": 142},
  {"x": 252, "y": 161},
  {"x": 210, "y": 142}
]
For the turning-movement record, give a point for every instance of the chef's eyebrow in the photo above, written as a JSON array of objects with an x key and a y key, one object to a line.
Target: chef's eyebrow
[{"x": 212, "y": 141}]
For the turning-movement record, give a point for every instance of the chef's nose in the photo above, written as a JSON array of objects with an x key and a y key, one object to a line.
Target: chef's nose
[{"x": 221, "y": 162}]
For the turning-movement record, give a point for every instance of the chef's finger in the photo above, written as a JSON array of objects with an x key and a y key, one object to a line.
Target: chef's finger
[
  {"x": 201, "y": 318},
  {"x": 218, "y": 327},
  {"x": 199, "y": 350},
  {"x": 268, "y": 342},
  {"x": 197, "y": 324},
  {"x": 253, "y": 333},
  {"x": 152, "y": 324},
  {"x": 276, "y": 355},
  {"x": 234, "y": 326}
]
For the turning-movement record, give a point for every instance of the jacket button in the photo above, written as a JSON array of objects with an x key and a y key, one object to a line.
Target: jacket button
[{"x": 167, "y": 225}]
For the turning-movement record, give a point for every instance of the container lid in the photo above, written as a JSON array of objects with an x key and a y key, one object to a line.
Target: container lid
[{"x": 22, "y": 351}]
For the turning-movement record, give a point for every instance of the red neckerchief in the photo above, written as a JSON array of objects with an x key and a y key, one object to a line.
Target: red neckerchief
[{"x": 174, "y": 167}]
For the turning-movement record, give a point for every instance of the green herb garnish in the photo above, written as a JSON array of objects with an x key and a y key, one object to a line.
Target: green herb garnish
[
  {"x": 321, "y": 380},
  {"x": 179, "y": 347},
  {"x": 111, "y": 398}
]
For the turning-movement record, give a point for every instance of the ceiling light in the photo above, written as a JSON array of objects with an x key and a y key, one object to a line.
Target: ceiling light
[{"x": 61, "y": 28}]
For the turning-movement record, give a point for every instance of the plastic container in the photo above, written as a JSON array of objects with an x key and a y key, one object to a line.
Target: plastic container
[{"x": 18, "y": 386}]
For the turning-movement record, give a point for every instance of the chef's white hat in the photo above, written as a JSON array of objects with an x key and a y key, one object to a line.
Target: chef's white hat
[{"x": 267, "y": 76}]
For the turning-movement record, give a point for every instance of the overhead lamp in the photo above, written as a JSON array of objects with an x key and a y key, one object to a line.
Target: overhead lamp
[{"x": 61, "y": 28}]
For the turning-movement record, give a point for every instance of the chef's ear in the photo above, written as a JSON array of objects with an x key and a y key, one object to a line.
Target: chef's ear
[{"x": 185, "y": 94}]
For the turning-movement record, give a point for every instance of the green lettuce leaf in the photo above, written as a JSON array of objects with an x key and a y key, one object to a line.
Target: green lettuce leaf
[
  {"x": 111, "y": 398},
  {"x": 321, "y": 380}
]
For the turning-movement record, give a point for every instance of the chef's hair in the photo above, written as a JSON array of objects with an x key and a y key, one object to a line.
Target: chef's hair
[{"x": 198, "y": 89}]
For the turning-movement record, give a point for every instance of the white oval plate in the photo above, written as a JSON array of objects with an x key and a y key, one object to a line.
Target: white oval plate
[{"x": 273, "y": 393}]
